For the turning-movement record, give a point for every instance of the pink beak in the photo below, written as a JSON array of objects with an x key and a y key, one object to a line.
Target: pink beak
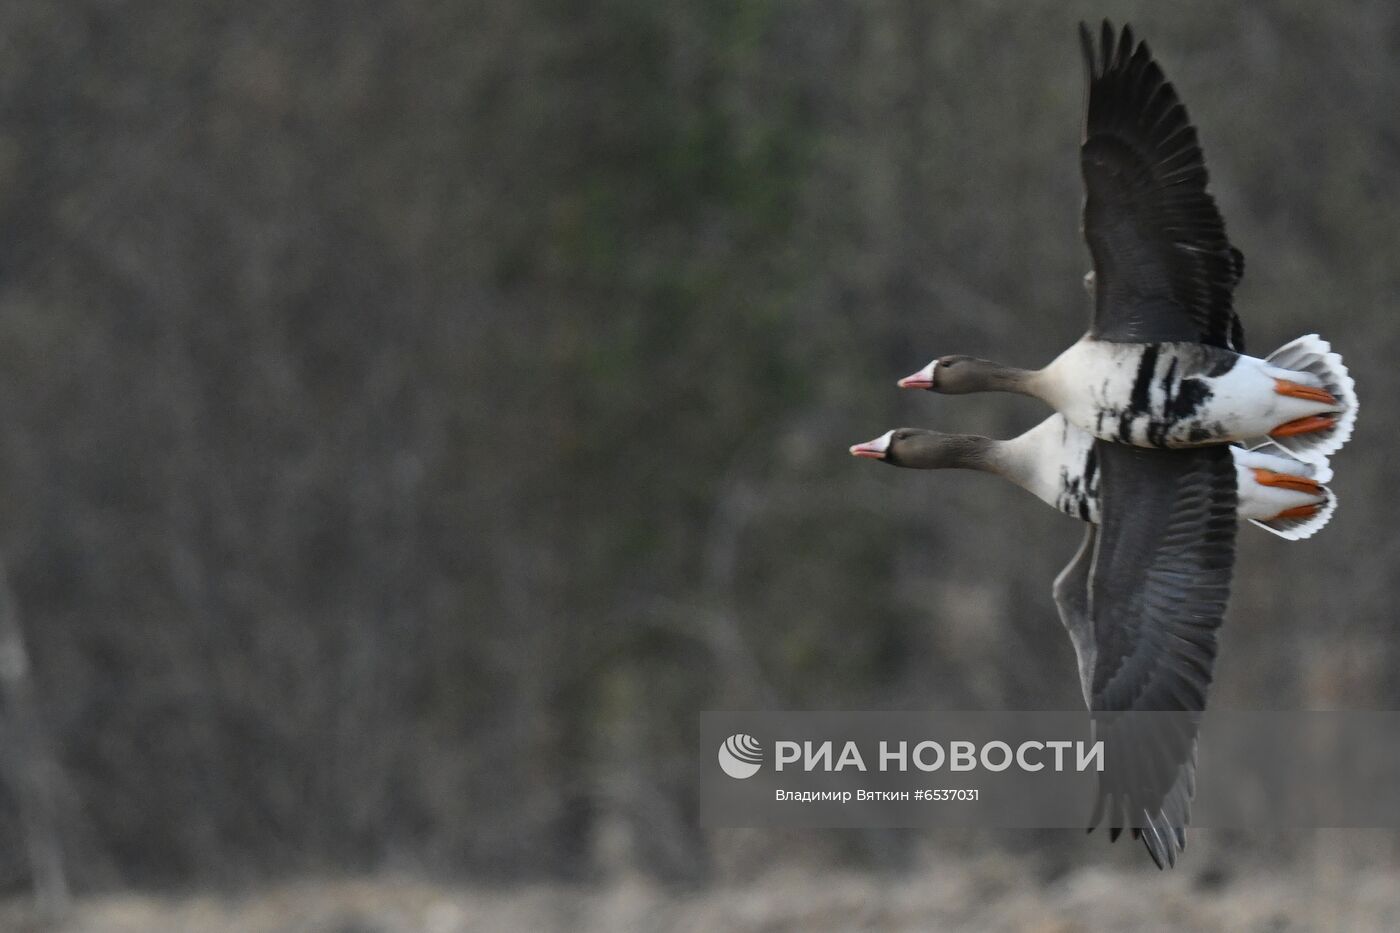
[
  {"x": 923, "y": 379},
  {"x": 877, "y": 449}
]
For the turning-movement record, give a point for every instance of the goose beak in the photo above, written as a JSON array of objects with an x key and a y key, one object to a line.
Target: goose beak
[
  {"x": 873, "y": 450},
  {"x": 923, "y": 379}
]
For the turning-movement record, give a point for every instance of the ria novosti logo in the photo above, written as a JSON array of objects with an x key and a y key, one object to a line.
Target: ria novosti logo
[{"x": 740, "y": 755}]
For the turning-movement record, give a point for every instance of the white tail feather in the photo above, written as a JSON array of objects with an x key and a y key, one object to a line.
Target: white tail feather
[
  {"x": 1313, "y": 355},
  {"x": 1296, "y": 529},
  {"x": 1320, "y": 470}
]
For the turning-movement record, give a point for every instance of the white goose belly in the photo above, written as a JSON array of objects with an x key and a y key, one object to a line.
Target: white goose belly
[
  {"x": 1058, "y": 463},
  {"x": 1170, "y": 394},
  {"x": 1055, "y": 462}
]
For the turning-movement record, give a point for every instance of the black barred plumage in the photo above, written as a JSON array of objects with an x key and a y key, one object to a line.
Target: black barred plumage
[
  {"x": 1152, "y": 395},
  {"x": 1078, "y": 494},
  {"x": 1140, "y": 402}
]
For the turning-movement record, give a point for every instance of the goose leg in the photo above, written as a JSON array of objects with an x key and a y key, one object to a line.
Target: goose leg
[
  {"x": 1305, "y": 425},
  {"x": 1287, "y": 481},
  {"x": 1310, "y": 393},
  {"x": 1298, "y": 512}
]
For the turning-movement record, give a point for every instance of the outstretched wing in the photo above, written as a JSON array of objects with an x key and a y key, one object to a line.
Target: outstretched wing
[
  {"x": 1142, "y": 601},
  {"x": 1164, "y": 269},
  {"x": 1161, "y": 575},
  {"x": 1132, "y": 771}
]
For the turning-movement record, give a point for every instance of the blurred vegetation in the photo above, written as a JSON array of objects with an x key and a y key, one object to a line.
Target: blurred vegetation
[{"x": 415, "y": 413}]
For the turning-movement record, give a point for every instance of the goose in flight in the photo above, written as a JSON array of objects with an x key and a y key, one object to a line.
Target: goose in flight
[
  {"x": 1163, "y": 362},
  {"x": 1059, "y": 464},
  {"x": 1145, "y": 594},
  {"x": 1163, "y": 365}
]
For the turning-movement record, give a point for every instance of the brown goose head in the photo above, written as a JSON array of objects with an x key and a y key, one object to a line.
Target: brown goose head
[
  {"x": 926, "y": 450},
  {"x": 959, "y": 375}
]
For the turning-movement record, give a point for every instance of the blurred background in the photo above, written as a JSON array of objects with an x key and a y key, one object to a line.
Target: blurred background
[{"x": 415, "y": 413}]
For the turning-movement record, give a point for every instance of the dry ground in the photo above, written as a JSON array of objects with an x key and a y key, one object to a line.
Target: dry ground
[{"x": 1337, "y": 886}]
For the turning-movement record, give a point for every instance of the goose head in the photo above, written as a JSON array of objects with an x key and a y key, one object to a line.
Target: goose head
[
  {"x": 958, "y": 375},
  {"x": 925, "y": 450}
]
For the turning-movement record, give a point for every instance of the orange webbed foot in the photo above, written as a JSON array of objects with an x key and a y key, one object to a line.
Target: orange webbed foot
[
  {"x": 1310, "y": 393},
  {"x": 1304, "y": 426},
  {"x": 1298, "y": 511},
  {"x": 1287, "y": 481}
]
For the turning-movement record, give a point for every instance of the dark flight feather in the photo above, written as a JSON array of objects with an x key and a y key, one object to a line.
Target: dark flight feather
[
  {"x": 1164, "y": 268},
  {"x": 1142, "y": 601}
]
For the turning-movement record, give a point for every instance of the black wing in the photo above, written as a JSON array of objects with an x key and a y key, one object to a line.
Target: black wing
[
  {"x": 1161, "y": 575},
  {"x": 1132, "y": 771},
  {"x": 1142, "y": 601},
  {"x": 1164, "y": 268}
]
